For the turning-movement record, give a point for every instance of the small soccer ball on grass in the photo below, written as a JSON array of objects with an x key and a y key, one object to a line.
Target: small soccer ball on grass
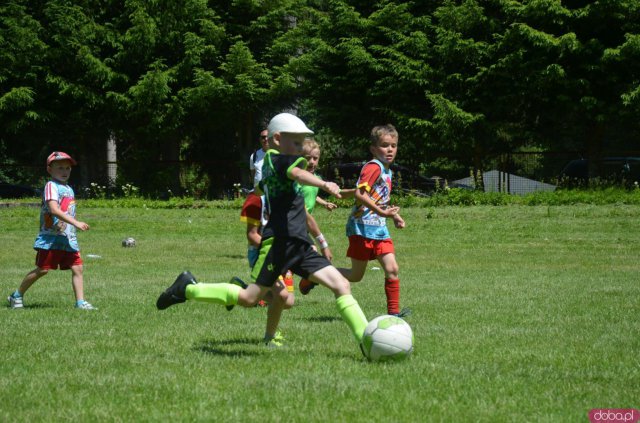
[
  {"x": 387, "y": 338},
  {"x": 129, "y": 242}
]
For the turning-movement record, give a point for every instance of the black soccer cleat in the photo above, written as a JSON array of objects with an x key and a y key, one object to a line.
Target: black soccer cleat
[
  {"x": 236, "y": 281},
  {"x": 175, "y": 294},
  {"x": 405, "y": 312}
]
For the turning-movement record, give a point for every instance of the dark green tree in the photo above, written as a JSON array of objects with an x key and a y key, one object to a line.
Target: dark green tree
[
  {"x": 368, "y": 63},
  {"x": 22, "y": 59},
  {"x": 469, "y": 80},
  {"x": 56, "y": 74}
]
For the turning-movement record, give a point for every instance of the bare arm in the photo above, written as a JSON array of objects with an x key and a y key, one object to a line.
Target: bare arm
[
  {"x": 362, "y": 196},
  {"x": 398, "y": 221},
  {"x": 54, "y": 208},
  {"x": 326, "y": 204},
  {"x": 253, "y": 235},
  {"x": 344, "y": 193},
  {"x": 348, "y": 193},
  {"x": 303, "y": 177},
  {"x": 314, "y": 229},
  {"x": 312, "y": 225}
]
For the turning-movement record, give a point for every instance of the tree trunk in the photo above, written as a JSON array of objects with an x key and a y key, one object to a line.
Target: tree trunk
[{"x": 112, "y": 161}]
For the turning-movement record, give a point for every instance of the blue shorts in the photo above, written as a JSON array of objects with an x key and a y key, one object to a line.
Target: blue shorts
[{"x": 252, "y": 255}]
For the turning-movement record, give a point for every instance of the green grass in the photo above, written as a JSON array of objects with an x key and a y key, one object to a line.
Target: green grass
[{"x": 520, "y": 313}]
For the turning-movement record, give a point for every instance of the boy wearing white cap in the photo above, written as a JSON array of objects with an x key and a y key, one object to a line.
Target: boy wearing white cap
[
  {"x": 56, "y": 243},
  {"x": 285, "y": 243}
]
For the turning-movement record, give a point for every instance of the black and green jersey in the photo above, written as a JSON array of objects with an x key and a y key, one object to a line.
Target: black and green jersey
[{"x": 283, "y": 197}]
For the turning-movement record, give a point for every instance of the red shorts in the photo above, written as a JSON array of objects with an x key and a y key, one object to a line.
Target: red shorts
[
  {"x": 366, "y": 249},
  {"x": 51, "y": 259}
]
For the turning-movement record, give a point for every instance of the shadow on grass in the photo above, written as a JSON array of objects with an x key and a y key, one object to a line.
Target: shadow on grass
[
  {"x": 36, "y": 306},
  {"x": 224, "y": 347},
  {"x": 234, "y": 256},
  {"x": 322, "y": 319}
]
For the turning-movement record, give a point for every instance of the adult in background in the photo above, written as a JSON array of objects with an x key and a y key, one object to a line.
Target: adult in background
[{"x": 257, "y": 158}]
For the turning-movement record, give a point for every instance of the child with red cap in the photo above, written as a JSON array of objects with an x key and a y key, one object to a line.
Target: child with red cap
[{"x": 56, "y": 244}]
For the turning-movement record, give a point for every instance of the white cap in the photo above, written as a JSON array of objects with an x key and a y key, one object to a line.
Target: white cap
[{"x": 286, "y": 122}]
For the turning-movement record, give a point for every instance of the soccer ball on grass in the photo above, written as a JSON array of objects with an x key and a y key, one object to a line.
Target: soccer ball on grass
[
  {"x": 129, "y": 242},
  {"x": 387, "y": 338}
]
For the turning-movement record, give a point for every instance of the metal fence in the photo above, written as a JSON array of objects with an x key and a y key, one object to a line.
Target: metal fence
[{"x": 520, "y": 172}]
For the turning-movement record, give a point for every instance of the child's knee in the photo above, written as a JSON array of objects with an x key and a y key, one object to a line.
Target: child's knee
[
  {"x": 357, "y": 271},
  {"x": 289, "y": 301},
  {"x": 392, "y": 273},
  {"x": 247, "y": 302},
  {"x": 247, "y": 298},
  {"x": 356, "y": 277},
  {"x": 289, "y": 304},
  {"x": 284, "y": 298},
  {"x": 341, "y": 287},
  {"x": 41, "y": 272},
  {"x": 391, "y": 269}
]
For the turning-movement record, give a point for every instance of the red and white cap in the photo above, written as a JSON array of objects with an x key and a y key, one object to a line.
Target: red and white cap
[{"x": 59, "y": 155}]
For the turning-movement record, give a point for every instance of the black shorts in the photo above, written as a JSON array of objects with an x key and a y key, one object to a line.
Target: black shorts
[{"x": 277, "y": 255}]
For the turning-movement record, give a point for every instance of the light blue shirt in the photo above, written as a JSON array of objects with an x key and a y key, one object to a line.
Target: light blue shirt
[
  {"x": 56, "y": 234},
  {"x": 364, "y": 221}
]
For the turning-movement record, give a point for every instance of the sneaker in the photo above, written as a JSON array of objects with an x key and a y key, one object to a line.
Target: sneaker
[
  {"x": 405, "y": 312},
  {"x": 279, "y": 337},
  {"x": 85, "y": 306},
  {"x": 262, "y": 303},
  {"x": 305, "y": 286},
  {"x": 176, "y": 293},
  {"x": 273, "y": 343},
  {"x": 15, "y": 302},
  {"x": 236, "y": 281}
]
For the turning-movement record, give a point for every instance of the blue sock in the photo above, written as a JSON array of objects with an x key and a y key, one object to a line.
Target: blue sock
[
  {"x": 16, "y": 294},
  {"x": 80, "y": 302}
]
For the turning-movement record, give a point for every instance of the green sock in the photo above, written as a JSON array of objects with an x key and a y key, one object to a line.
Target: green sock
[
  {"x": 217, "y": 293},
  {"x": 352, "y": 314}
]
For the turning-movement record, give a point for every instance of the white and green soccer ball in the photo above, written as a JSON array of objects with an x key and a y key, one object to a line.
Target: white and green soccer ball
[
  {"x": 387, "y": 338},
  {"x": 129, "y": 242}
]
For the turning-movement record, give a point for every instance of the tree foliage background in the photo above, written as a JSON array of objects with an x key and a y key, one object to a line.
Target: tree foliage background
[{"x": 193, "y": 81}]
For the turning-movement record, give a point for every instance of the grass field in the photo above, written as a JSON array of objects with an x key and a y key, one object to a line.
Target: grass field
[{"x": 519, "y": 314}]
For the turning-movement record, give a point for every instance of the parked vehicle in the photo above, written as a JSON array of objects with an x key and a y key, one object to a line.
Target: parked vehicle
[
  {"x": 616, "y": 170},
  {"x": 17, "y": 191}
]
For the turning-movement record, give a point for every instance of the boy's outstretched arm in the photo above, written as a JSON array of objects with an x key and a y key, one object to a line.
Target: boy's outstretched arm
[
  {"x": 303, "y": 177},
  {"x": 348, "y": 193}
]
